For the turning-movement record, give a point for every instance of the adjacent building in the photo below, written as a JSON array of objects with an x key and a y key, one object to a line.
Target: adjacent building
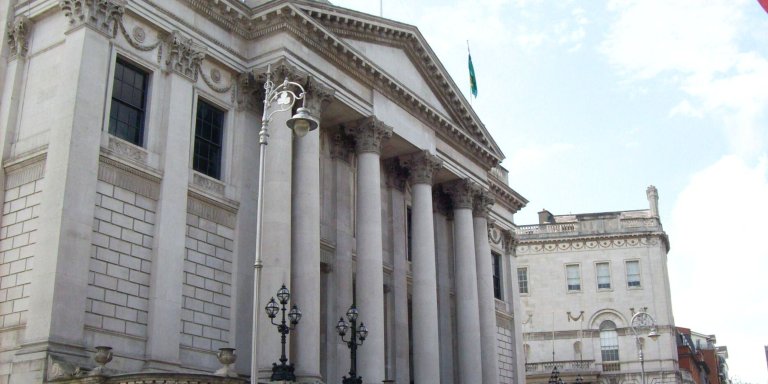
[
  {"x": 130, "y": 136},
  {"x": 582, "y": 279},
  {"x": 701, "y": 360}
]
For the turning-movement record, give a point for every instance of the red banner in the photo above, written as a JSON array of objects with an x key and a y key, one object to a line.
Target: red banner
[{"x": 764, "y": 3}]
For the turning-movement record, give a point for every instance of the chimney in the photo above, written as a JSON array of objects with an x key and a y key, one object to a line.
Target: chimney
[
  {"x": 653, "y": 200},
  {"x": 545, "y": 217}
]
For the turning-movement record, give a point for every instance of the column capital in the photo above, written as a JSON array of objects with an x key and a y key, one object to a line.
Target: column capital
[
  {"x": 318, "y": 96},
  {"x": 396, "y": 174},
  {"x": 422, "y": 166},
  {"x": 101, "y": 15},
  {"x": 482, "y": 203},
  {"x": 509, "y": 241},
  {"x": 370, "y": 134},
  {"x": 18, "y": 33},
  {"x": 441, "y": 202},
  {"x": 184, "y": 55},
  {"x": 247, "y": 92},
  {"x": 462, "y": 193}
]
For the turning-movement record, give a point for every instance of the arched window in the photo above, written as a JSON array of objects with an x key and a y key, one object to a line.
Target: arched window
[{"x": 609, "y": 346}]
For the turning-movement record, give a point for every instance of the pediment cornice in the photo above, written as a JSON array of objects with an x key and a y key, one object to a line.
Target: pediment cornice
[{"x": 589, "y": 242}]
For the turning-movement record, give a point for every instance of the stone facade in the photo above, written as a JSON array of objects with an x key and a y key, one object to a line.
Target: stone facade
[
  {"x": 585, "y": 277},
  {"x": 113, "y": 234}
]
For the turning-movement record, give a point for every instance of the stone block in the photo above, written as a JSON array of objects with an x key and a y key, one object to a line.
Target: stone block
[
  {"x": 117, "y": 298},
  {"x": 193, "y": 329},
  {"x": 119, "y": 245},
  {"x": 132, "y": 236},
  {"x": 213, "y": 285},
  {"x": 119, "y": 219},
  {"x": 21, "y": 240},
  {"x": 211, "y": 333},
  {"x": 206, "y": 248},
  {"x": 107, "y": 255},
  {"x": 12, "y": 254},
  {"x": 105, "y": 189},
  {"x": 204, "y": 295},
  {"x": 201, "y": 342},
  {"x": 136, "y": 329},
  {"x": 135, "y": 212},
  {"x": 93, "y": 320},
  {"x": 141, "y": 252},
  {"x": 138, "y": 303},
  {"x": 214, "y": 262},
  {"x": 26, "y": 189},
  {"x": 130, "y": 262},
  {"x": 100, "y": 239},
  {"x": 14, "y": 229},
  {"x": 95, "y": 292},
  {"x": 143, "y": 228},
  {"x": 25, "y": 214},
  {"x": 204, "y": 271},
  {"x": 196, "y": 233},
  {"x": 97, "y": 266},
  {"x": 195, "y": 280},
  {"x": 222, "y": 276},
  {"x": 102, "y": 308},
  {"x": 128, "y": 314},
  {"x": 128, "y": 287},
  {"x": 221, "y": 299},
  {"x": 196, "y": 257},
  {"x": 112, "y": 204},
  {"x": 202, "y": 318},
  {"x": 18, "y": 266},
  {"x": 146, "y": 203},
  {"x": 17, "y": 205},
  {"x": 109, "y": 229},
  {"x": 118, "y": 271},
  {"x": 125, "y": 195},
  {"x": 11, "y": 194},
  {"x": 216, "y": 240},
  {"x": 193, "y": 304},
  {"x": 20, "y": 305},
  {"x": 139, "y": 277},
  {"x": 212, "y": 309}
]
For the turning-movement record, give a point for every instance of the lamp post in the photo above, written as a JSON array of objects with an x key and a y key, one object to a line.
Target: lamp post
[
  {"x": 283, "y": 372},
  {"x": 641, "y": 321},
  {"x": 352, "y": 343},
  {"x": 285, "y": 94}
]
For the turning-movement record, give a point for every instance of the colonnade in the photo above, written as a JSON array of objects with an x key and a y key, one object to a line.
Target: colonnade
[{"x": 475, "y": 308}]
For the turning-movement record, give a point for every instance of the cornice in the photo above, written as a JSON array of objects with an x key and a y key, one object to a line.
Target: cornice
[
  {"x": 590, "y": 242},
  {"x": 506, "y": 196}
]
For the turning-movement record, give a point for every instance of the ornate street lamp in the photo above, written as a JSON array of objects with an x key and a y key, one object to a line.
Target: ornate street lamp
[
  {"x": 283, "y": 372},
  {"x": 285, "y": 95},
  {"x": 352, "y": 343},
  {"x": 641, "y": 321},
  {"x": 555, "y": 378}
]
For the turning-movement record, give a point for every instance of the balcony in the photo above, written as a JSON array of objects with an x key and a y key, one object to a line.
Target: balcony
[{"x": 564, "y": 366}]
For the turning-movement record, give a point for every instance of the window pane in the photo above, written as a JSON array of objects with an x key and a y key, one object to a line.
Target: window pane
[
  {"x": 208, "y": 139},
  {"x": 574, "y": 280},
  {"x": 633, "y": 273},
  {"x": 603, "y": 275},
  {"x": 522, "y": 279},
  {"x": 496, "y": 259},
  {"x": 129, "y": 94}
]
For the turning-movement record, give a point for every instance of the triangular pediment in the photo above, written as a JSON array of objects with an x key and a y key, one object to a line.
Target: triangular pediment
[{"x": 396, "y": 63}]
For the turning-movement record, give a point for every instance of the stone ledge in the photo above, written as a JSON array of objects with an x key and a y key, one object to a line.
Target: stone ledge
[{"x": 153, "y": 378}]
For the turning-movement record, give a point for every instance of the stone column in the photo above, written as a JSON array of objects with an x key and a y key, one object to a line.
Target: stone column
[
  {"x": 342, "y": 266},
  {"x": 370, "y": 279},
  {"x": 467, "y": 316},
  {"x": 444, "y": 250},
  {"x": 426, "y": 344},
  {"x": 399, "y": 352},
  {"x": 305, "y": 240},
  {"x": 167, "y": 274},
  {"x": 276, "y": 223},
  {"x": 486, "y": 299}
]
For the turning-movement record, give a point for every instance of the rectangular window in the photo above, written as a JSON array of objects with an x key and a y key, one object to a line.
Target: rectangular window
[
  {"x": 573, "y": 277},
  {"x": 209, "y": 130},
  {"x": 522, "y": 279},
  {"x": 496, "y": 258},
  {"x": 603, "y": 275},
  {"x": 633, "y": 273},
  {"x": 129, "y": 97},
  {"x": 408, "y": 234}
]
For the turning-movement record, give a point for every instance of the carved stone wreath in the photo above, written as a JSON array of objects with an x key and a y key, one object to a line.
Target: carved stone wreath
[{"x": 138, "y": 34}]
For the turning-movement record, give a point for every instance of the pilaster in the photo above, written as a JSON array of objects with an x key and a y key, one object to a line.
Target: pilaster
[
  {"x": 59, "y": 279},
  {"x": 169, "y": 251}
]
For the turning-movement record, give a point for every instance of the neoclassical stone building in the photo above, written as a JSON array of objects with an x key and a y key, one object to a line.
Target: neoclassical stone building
[
  {"x": 582, "y": 278},
  {"x": 130, "y": 163}
]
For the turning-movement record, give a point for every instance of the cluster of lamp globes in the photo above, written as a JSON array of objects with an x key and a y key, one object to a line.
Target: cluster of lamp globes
[
  {"x": 283, "y": 296},
  {"x": 342, "y": 326}
]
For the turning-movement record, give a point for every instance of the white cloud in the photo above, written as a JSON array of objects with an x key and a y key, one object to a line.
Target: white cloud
[
  {"x": 719, "y": 259},
  {"x": 699, "y": 48}
]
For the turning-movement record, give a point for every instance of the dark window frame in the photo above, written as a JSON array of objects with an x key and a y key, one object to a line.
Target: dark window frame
[
  {"x": 522, "y": 284},
  {"x": 209, "y": 139},
  {"x": 497, "y": 289},
  {"x": 128, "y": 108}
]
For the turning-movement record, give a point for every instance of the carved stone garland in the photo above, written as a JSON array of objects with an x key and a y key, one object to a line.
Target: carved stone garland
[{"x": 396, "y": 174}]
